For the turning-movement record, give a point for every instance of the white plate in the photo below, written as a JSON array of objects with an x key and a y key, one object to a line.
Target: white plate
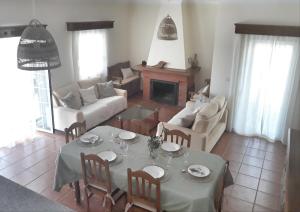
[
  {"x": 89, "y": 138},
  {"x": 170, "y": 147},
  {"x": 155, "y": 171},
  {"x": 127, "y": 135},
  {"x": 108, "y": 155},
  {"x": 198, "y": 170}
]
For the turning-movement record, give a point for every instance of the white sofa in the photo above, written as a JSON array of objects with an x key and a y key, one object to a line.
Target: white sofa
[
  {"x": 94, "y": 114},
  {"x": 209, "y": 124}
]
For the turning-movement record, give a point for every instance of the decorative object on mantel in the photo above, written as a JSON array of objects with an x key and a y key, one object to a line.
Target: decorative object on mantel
[
  {"x": 37, "y": 49},
  {"x": 160, "y": 64},
  {"x": 193, "y": 61},
  {"x": 144, "y": 63},
  {"x": 167, "y": 29}
]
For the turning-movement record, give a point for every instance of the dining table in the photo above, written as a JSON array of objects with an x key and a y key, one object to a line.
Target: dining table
[{"x": 179, "y": 190}]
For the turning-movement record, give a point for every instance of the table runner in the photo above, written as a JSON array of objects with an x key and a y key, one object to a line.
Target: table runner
[{"x": 179, "y": 192}]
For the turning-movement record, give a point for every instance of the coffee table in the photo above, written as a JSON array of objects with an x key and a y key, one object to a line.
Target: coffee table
[{"x": 145, "y": 117}]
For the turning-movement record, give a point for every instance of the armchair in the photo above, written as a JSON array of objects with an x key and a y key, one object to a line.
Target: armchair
[{"x": 132, "y": 84}]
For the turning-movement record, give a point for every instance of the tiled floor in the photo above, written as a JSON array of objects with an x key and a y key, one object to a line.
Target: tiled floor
[{"x": 255, "y": 164}]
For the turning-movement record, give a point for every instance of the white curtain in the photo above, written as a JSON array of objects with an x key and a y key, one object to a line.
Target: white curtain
[
  {"x": 264, "y": 86},
  {"x": 89, "y": 50},
  {"x": 17, "y": 108}
]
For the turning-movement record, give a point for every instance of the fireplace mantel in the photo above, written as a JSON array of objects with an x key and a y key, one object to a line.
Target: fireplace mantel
[{"x": 185, "y": 79}]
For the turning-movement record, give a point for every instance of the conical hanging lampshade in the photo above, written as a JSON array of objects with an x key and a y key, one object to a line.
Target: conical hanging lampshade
[
  {"x": 167, "y": 29},
  {"x": 37, "y": 49}
]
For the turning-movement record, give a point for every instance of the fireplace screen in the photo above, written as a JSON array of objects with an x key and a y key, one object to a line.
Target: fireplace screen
[{"x": 164, "y": 92}]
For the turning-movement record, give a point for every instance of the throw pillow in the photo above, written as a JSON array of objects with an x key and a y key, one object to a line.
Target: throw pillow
[
  {"x": 87, "y": 83},
  {"x": 220, "y": 100},
  {"x": 106, "y": 89},
  {"x": 206, "y": 118},
  {"x": 69, "y": 100},
  {"x": 204, "y": 91},
  {"x": 88, "y": 95},
  {"x": 200, "y": 97},
  {"x": 127, "y": 73}
]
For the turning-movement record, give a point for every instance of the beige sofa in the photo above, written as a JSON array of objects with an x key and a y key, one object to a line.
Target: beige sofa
[
  {"x": 208, "y": 126},
  {"x": 94, "y": 114}
]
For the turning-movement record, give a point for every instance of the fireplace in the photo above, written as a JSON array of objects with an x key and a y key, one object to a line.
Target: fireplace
[
  {"x": 164, "y": 91},
  {"x": 182, "y": 79}
]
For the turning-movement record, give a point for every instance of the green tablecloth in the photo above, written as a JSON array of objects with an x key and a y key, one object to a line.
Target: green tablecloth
[{"x": 179, "y": 191}]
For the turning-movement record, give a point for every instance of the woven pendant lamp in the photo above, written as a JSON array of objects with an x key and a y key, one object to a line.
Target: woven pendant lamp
[
  {"x": 167, "y": 29},
  {"x": 37, "y": 49}
]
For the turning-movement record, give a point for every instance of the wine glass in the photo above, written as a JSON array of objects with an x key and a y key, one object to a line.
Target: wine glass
[
  {"x": 186, "y": 158},
  {"x": 169, "y": 162},
  {"x": 124, "y": 148},
  {"x": 112, "y": 140}
]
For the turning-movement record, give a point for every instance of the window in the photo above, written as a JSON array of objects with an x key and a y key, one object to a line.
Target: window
[{"x": 90, "y": 54}]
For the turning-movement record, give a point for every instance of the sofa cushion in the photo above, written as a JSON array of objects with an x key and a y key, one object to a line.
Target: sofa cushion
[
  {"x": 103, "y": 109},
  {"x": 106, "y": 89},
  {"x": 208, "y": 110},
  {"x": 126, "y": 73},
  {"x": 84, "y": 84},
  {"x": 184, "y": 118},
  {"x": 69, "y": 101},
  {"x": 130, "y": 79},
  {"x": 115, "y": 103},
  {"x": 63, "y": 91},
  {"x": 188, "y": 120},
  {"x": 220, "y": 100},
  {"x": 206, "y": 118},
  {"x": 88, "y": 95},
  {"x": 95, "y": 113}
]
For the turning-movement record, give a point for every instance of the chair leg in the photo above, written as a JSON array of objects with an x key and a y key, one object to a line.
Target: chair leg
[
  {"x": 108, "y": 205},
  {"x": 86, "y": 195}
]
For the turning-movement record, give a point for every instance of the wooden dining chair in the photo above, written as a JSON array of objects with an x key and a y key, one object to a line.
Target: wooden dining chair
[
  {"x": 177, "y": 136},
  {"x": 97, "y": 180},
  {"x": 74, "y": 131},
  {"x": 143, "y": 191}
]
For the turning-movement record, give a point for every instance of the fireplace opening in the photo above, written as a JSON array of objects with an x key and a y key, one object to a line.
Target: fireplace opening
[{"x": 164, "y": 91}]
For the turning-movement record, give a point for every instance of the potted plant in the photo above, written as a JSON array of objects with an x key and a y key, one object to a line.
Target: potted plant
[{"x": 154, "y": 143}]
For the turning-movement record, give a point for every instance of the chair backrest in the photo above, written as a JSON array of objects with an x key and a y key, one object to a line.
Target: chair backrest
[
  {"x": 95, "y": 172},
  {"x": 143, "y": 190},
  {"x": 177, "y": 136},
  {"x": 74, "y": 131}
]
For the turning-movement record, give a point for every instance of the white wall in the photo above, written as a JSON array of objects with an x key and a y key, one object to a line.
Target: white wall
[
  {"x": 142, "y": 21},
  {"x": 173, "y": 52},
  {"x": 269, "y": 12},
  {"x": 55, "y": 13},
  {"x": 200, "y": 18}
]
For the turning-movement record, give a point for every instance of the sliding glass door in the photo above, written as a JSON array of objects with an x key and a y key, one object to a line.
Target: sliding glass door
[{"x": 42, "y": 97}]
